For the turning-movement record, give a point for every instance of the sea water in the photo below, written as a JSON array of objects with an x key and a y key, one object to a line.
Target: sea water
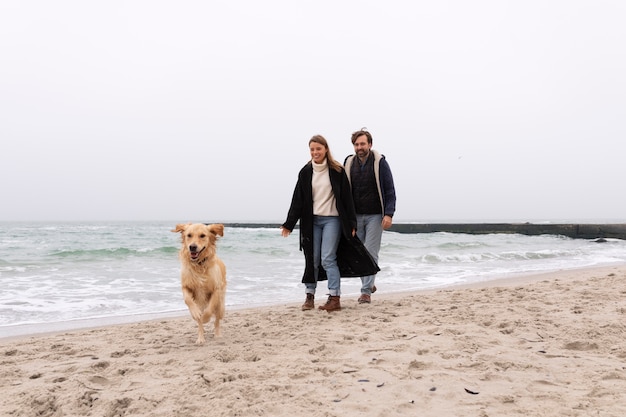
[{"x": 56, "y": 276}]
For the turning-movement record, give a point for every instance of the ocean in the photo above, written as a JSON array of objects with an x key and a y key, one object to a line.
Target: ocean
[{"x": 61, "y": 276}]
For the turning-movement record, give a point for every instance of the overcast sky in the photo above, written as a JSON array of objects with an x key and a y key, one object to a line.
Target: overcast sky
[{"x": 202, "y": 110}]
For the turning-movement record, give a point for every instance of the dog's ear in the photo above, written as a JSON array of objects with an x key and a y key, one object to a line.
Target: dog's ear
[
  {"x": 180, "y": 227},
  {"x": 216, "y": 229}
]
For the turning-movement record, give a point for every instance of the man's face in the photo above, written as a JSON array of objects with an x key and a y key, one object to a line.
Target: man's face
[{"x": 361, "y": 147}]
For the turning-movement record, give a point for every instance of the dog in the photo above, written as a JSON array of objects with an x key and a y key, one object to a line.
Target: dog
[{"x": 203, "y": 274}]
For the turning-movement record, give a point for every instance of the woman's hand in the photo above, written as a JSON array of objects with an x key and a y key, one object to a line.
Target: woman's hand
[{"x": 285, "y": 232}]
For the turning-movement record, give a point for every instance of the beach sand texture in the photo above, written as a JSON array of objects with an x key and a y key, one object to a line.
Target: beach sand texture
[{"x": 546, "y": 345}]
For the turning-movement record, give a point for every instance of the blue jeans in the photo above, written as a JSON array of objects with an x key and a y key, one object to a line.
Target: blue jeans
[
  {"x": 370, "y": 231},
  {"x": 326, "y": 235}
]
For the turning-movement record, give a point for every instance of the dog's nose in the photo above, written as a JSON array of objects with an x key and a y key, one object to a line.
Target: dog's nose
[{"x": 193, "y": 248}]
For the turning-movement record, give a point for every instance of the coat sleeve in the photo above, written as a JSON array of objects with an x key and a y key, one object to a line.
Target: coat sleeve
[
  {"x": 295, "y": 209},
  {"x": 388, "y": 188}
]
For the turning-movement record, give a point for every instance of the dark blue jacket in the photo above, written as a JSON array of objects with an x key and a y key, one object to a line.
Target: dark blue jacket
[{"x": 384, "y": 180}]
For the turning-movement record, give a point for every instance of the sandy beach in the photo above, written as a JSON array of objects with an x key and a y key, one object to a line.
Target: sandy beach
[{"x": 543, "y": 345}]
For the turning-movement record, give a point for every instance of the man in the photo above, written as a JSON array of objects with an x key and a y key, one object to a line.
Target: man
[{"x": 374, "y": 199}]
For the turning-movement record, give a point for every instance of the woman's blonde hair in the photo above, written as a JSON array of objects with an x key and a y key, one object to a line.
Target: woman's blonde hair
[{"x": 329, "y": 157}]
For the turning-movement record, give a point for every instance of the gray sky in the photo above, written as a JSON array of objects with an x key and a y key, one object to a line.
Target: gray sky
[{"x": 202, "y": 110}]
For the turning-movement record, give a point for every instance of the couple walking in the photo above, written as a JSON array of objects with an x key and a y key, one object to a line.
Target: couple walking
[{"x": 343, "y": 211}]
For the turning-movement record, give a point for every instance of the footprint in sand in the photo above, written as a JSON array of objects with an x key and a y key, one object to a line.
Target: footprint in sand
[{"x": 580, "y": 346}]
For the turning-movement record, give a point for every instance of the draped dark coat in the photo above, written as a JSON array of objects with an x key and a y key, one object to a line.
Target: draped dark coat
[{"x": 353, "y": 258}]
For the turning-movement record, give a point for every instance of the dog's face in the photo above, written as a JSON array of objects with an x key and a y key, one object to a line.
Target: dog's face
[{"x": 199, "y": 238}]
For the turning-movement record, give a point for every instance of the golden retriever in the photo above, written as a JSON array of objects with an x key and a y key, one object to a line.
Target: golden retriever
[{"x": 202, "y": 274}]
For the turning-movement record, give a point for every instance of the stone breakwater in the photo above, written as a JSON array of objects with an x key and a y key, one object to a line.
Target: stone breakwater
[{"x": 577, "y": 231}]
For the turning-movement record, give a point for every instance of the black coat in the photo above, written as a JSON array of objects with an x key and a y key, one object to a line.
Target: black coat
[{"x": 352, "y": 257}]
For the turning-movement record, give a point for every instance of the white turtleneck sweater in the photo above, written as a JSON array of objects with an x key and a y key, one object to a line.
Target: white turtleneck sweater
[{"x": 323, "y": 198}]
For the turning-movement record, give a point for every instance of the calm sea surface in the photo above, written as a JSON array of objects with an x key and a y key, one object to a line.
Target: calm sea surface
[{"x": 57, "y": 276}]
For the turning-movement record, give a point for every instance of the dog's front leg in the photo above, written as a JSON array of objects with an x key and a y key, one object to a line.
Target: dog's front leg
[
  {"x": 194, "y": 310},
  {"x": 196, "y": 314},
  {"x": 201, "y": 339}
]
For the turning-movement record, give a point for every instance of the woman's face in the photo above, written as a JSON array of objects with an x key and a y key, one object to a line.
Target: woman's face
[{"x": 318, "y": 152}]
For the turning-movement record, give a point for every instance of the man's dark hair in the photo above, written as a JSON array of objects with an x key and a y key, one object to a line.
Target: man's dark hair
[{"x": 362, "y": 132}]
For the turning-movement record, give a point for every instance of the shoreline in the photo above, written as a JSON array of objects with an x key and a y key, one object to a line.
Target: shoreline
[
  {"x": 16, "y": 332},
  {"x": 546, "y": 344}
]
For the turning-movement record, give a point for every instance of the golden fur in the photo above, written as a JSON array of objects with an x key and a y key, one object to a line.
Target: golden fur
[{"x": 202, "y": 274}]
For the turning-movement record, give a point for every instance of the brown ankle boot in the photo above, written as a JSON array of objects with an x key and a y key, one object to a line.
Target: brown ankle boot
[
  {"x": 309, "y": 303},
  {"x": 332, "y": 304}
]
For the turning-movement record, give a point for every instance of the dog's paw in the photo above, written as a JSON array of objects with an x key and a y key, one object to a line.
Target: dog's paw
[{"x": 201, "y": 340}]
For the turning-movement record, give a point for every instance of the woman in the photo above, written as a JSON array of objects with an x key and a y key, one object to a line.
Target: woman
[{"x": 322, "y": 201}]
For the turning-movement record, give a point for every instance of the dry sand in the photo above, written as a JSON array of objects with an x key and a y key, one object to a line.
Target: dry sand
[{"x": 548, "y": 345}]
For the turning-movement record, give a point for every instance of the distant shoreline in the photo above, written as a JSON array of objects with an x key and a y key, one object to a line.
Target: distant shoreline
[{"x": 573, "y": 230}]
